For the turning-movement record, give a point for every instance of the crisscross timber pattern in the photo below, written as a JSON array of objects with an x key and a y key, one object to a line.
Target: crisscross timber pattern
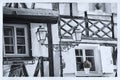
[
  {"x": 18, "y": 70},
  {"x": 90, "y": 27}
]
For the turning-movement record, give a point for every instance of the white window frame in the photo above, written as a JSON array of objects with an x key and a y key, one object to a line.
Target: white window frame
[
  {"x": 84, "y": 56},
  {"x": 97, "y": 59},
  {"x": 15, "y": 54}
]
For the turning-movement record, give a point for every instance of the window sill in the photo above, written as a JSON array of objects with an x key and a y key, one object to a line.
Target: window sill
[
  {"x": 12, "y": 60},
  {"x": 91, "y": 74}
]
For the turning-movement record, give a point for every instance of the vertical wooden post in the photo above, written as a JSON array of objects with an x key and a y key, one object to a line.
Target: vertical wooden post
[
  {"x": 112, "y": 25},
  {"x": 114, "y": 58},
  {"x": 42, "y": 67},
  {"x": 71, "y": 11},
  {"x": 86, "y": 24},
  {"x": 114, "y": 55},
  {"x": 50, "y": 50},
  {"x": 59, "y": 29},
  {"x": 61, "y": 66}
]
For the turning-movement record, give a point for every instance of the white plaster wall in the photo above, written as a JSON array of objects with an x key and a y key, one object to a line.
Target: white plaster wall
[
  {"x": 40, "y": 5},
  {"x": 64, "y": 9},
  {"x": 36, "y": 46},
  {"x": 114, "y": 7},
  {"x": 55, "y": 38},
  {"x": 55, "y": 35},
  {"x": 75, "y": 9},
  {"x": 82, "y": 7},
  {"x": 56, "y": 64},
  {"x": 69, "y": 59}
]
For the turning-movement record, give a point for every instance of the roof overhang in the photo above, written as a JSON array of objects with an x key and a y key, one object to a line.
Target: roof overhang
[{"x": 29, "y": 15}]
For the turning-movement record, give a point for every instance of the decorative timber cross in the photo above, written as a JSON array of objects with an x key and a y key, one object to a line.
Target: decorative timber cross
[
  {"x": 18, "y": 70},
  {"x": 91, "y": 26}
]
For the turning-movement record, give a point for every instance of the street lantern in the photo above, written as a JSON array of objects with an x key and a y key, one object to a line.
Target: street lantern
[
  {"x": 77, "y": 35},
  {"x": 41, "y": 34}
]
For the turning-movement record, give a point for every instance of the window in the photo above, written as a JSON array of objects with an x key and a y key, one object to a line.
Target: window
[
  {"x": 82, "y": 55},
  {"x": 15, "y": 40}
]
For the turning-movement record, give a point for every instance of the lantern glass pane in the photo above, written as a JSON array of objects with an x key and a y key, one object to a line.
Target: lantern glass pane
[
  {"x": 77, "y": 35},
  {"x": 43, "y": 35},
  {"x": 38, "y": 37}
]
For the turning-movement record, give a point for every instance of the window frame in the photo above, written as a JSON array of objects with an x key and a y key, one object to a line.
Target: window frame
[
  {"x": 15, "y": 54},
  {"x": 97, "y": 59},
  {"x": 84, "y": 57}
]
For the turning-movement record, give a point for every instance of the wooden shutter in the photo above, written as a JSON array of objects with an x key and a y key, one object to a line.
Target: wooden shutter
[{"x": 106, "y": 59}]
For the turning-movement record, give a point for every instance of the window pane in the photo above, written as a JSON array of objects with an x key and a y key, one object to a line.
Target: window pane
[
  {"x": 79, "y": 59},
  {"x": 8, "y": 40},
  {"x": 20, "y": 40},
  {"x": 20, "y": 31},
  {"x": 8, "y": 31},
  {"x": 21, "y": 49},
  {"x": 91, "y": 59},
  {"x": 9, "y": 50},
  {"x": 79, "y": 63},
  {"x": 89, "y": 52},
  {"x": 78, "y": 52}
]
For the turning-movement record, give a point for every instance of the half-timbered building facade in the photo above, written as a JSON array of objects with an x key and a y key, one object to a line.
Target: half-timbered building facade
[{"x": 23, "y": 55}]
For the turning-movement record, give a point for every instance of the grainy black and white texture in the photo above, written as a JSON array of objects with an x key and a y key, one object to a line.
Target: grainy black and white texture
[{"x": 60, "y": 39}]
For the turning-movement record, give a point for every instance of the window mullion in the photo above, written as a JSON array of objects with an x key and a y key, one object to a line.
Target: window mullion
[
  {"x": 84, "y": 57},
  {"x": 26, "y": 45},
  {"x": 15, "y": 38},
  {"x": 4, "y": 45}
]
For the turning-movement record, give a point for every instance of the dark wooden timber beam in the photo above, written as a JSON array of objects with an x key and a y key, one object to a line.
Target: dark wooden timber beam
[
  {"x": 86, "y": 24},
  {"x": 112, "y": 25},
  {"x": 50, "y": 51},
  {"x": 71, "y": 11},
  {"x": 28, "y": 19},
  {"x": 29, "y": 15}
]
